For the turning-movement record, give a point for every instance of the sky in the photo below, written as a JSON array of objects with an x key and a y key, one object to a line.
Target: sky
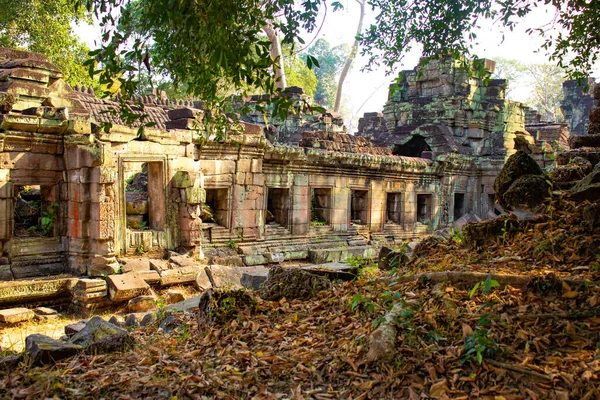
[{"x": 366, "y": 91}]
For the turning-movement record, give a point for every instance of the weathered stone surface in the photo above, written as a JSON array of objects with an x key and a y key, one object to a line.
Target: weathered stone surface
[
  {"x": 179, "y": 276},
  {"x": 517, "y": 165},
  {"x": 292, "y": 283},
  {"x": 10, "y": 363},
  {"x": 126, "y": 286},
  {"x": 72, "y": 329},
  {"x": 182, "y": 260},
  {"x": 169, "y": 324},
  {"x": 131, "y": 321},
  {"x": 148, "y": 319},
  {"x": 134, "y": 264},
  {"x": 202, "y": 281},
  {"x": 528, "y": 191},
  {"x": 141, "y": 303},
  {"x": 236, "y": 277},
  {"x": 255, "y": 259},
  {"x": 15, "y": 315},
  {"x": 173, "y": 297},
  {"x": 589, "y": 187},
  {"x": 99, "y": 336},
  {"x": 576, "y": 142},
  {"x": 117, "y": 320},
  {"x": 45, "y": 311},
  {"x": 41, "y": 349},
  {"x": 573, "y": 171},
  {"x": 159, "y": 265},
  {"x": 333, "y": 270},
  {"x": 150, "y": 277},
  {"x": 340, "y": 254}
]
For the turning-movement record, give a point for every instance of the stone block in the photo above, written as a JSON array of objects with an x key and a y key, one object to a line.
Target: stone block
[
  {"x": 134, "y": 264},
  {"x": 126, "y": 286},
  {"x": 16, "y": 315},
  {"x": 42, "y": 349},
  {"x": 181, "y": 180},
  {"x": 103, "y": 266},
  {"x": 255, "y": 259},
  {"x": 158, "y": 265},
  {"x": 236, "y": 277},
  {"x": 273, "y": 258},
  {"x": 100, "y": 337},
  {"x": 141, "y": 303},
  {"x": 202, "y": 281},
  {"x": 150, "y": 277},
  {"x": 244, "y": 165},
  {"x": 179, "y": 276},
  {"x": 6, "y": 273},
  {"x": 301, "y": 180},
  {"x": 185, "y": 113}
]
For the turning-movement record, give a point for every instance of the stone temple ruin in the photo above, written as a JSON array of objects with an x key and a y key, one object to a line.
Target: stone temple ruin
[{"x": 78, "y": 202}]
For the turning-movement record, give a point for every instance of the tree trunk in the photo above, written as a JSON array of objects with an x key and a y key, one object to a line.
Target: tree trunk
[
  {"x": 351, "y": 57},
  {"x": 276, "y": 55}
]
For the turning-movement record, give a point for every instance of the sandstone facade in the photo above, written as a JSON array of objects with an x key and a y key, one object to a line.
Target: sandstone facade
[{"x": 113, "y": 191}]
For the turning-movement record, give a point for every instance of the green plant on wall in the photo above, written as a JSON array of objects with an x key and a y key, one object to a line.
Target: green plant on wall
[{"x": 48, "y": 219}]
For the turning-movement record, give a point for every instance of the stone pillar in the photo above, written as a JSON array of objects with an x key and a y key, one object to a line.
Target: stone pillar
[{"x": 300, "y": 193}]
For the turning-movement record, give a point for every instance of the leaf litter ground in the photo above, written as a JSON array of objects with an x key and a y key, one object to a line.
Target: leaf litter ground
[{"x": 541, "y": 341}]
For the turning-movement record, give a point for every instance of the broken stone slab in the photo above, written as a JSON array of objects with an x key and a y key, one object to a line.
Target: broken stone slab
[
  {"x": 148, "y": 319},
  {"x": 274, "y": 258},
  {"x": 22, "y": 292},
  {"x": 16, "y": 315},
  {"x": 150, "y": 277},
  {"x": 72, "y": 329},
  {"x": 88, "y": 284},
  {"x": 131, "y": 321},
  {"x": 6, "y": 273},
  {"x": 333, "y": 270},
  {"x": 179, "y": 276},
  {"x": 141, "y": 303},
  {"x": 517, "y": 165},
  {"x": 223, "y": 276},
  {"x": 41, "y": 349},
  {"x": 255, "y": 259},
  {"x": 117, "y": 320},
  {"x": 10, "y": 363},
  {"x": 589, "y": 187},
  {"x": 126, "y": 286},
  {"x": 202, "y": 281},
  {"x": 292, "y": 283},
  {"x": 158, "y": 265},
  {"x": 134, "y": 264},
  {"x": 341, "y": 254},
  {"x": 181, "y": 260},
  {"x": 169, "y": 324},
  {"x": 100, "y": 336},
  {"x": 464, "y": 220},
  {"x": 184, "y": 306},
  {"x": 173, "y": 297}
]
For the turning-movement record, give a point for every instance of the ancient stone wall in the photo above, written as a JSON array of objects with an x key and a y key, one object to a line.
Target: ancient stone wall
[
  {"x": 122, "y": 192},
  {"x": 438, "y": 109},
  {"x": 576, "y": 105}
]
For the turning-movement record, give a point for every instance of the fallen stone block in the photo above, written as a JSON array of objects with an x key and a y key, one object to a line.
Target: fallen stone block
[
  {"x": 41, "y": 349},
  {"x": 202, "y": 281},
  {"x": 126, "y": 286},
  {"x": 141, "y": 303},
  {"x": 235, "y": 277},
  {"x": 10, "y": 363},
  {"x": 178, "y": 276},
  {"x": 16, "y": 315},
  {"x": 100, "y": 336},
  {"x": 150, "y": 277},
  {"x": 333, "y": 271},
  {"x": 255, "y": 259},
  {"x": 182, "y": 261},
  {"x": 158, "y": 265},
  {"x": 134, "y": 264},
  {"x": 172, "y": 297},
  {"x": 341, "y": 254},
  {"x": 45, "y": 311},
  {"x": 273, "y": 258},
  {"x": 72, "y": 329}
]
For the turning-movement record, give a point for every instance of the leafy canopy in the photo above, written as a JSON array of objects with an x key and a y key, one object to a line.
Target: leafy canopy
[
  {"x": 448, "y": 27},
  {"x": 44, "y": 26}
]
